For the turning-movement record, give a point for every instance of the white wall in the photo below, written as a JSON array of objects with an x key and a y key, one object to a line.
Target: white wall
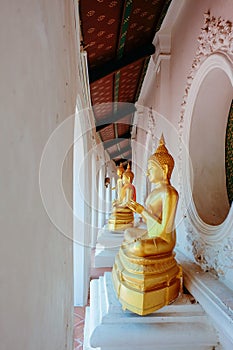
[{"x": 38, "y": 91}]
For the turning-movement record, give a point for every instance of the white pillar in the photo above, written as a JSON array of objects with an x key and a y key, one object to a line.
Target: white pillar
[
  {"x": 113, "y": 185},
  {"x": 94, "y": 203},
  {"x": 108, "y": 193},
  {"x": 82, "y": 215},
  {"x": 101, "y": 201}
]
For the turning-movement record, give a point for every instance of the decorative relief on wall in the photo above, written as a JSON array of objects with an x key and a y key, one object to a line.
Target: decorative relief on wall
[
  {"x": 229, "y": 155},
  {"x": 216, "y": 258},
  {"x": 151, "y": 127},
  {"x": 212, "y": 246},
  {"x": 216, "y": 36}
]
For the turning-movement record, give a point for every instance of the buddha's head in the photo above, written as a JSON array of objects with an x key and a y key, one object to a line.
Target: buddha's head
[
  {"x": 120, "y": 170},
  {"x": 161, "y": 162},
  {"x": 128, "y": 175}
]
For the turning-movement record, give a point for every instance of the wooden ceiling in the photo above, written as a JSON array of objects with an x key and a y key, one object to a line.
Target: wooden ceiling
[{"x": 117, "y": 36}]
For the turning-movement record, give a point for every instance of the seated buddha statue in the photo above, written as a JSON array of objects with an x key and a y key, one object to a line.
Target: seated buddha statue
[
  {"x": 122, "y": 216},
  {"x": 120, "y": 171},
  {"x": 145, "y": 274}
]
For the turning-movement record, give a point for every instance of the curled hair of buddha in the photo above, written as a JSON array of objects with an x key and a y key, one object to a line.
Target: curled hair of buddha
[
  {"x": 163, "y": 157},
  {"x": 129, "y": 173}
]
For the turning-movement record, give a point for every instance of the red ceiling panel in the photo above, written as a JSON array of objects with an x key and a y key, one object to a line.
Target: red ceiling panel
[
  {"x": 102, "y": 93},
  {"x": 100, "y": 20},
  {"x": 129, "y": 79},
  {"x": 107, "y": 133},
  {"x": 143, "y": 19}
]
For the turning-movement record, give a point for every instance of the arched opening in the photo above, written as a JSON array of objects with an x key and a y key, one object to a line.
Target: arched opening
[{"x": 207, "y": 146}]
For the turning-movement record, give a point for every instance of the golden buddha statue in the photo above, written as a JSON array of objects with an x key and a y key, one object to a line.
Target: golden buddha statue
[
  {"x": 120, "y": 171},
  {"x": 145, "y": 274},
  {"x": 122, "y": 216}
]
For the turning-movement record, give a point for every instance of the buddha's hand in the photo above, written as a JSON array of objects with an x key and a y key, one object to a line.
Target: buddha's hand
[{"x": 134, "y": 206}]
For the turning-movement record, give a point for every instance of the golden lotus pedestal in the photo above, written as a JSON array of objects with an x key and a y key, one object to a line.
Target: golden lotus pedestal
[
  {"x": 120, "y": 219},
  {"x": 144, "y": 285}
]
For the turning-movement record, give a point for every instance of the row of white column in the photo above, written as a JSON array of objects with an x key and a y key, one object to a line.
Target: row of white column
[
  {"x": 92, "y": 207},
  {"x": 102, "y": 198}
]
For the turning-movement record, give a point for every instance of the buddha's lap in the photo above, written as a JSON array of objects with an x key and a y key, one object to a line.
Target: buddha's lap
[{"x": 142, "y": 247}]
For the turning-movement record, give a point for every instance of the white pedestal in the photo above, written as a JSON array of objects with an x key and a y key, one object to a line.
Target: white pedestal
[
  {"x": 108, "y": 244},
  {"x": 179, "y": 326},
  {"x": 213, "y": 295}
]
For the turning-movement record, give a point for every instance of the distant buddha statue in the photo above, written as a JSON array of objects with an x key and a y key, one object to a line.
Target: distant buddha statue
[
  {"x": 146, "y": 275},
  {"x": 120, "y": 171},
  {"x": 122, "y": 216}
]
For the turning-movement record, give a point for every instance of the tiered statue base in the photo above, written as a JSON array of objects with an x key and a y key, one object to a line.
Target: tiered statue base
[
  {"x": 144, "y": 285},
  {"x": 180, "y": 326},
  {"x": 120, "y": 219}
]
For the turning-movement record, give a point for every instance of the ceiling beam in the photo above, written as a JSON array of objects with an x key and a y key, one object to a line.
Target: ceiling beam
[
  {"x": 120, "y": 152},
  {"x": 110, "y": 143},
  {"x": 126, "y": 109},
  {"x": 124, "y": 160},
  {"x": 115, "y": 65}
]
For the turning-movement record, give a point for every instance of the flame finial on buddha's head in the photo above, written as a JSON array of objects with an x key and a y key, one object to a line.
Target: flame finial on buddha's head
[
  {"x": 162, "y": 157},
  {"x": 129, "y": 173}
]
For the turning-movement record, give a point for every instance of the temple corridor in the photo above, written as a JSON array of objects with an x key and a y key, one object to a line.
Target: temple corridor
[{"x": 88, "y": 86}]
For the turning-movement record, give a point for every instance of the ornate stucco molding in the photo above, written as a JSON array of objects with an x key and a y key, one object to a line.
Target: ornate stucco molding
[
  {"x": 216, "y": 36},
  {"x": 212, "y": 246},
  {"x": 152, "y": 127}
]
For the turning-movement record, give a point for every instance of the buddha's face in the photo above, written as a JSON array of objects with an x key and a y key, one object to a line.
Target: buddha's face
[
  {"x": 154, "y": 172},
  {"x": 119, "y": 173}
]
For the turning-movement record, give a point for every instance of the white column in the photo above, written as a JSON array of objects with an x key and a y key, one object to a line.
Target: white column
[
  {"x": 108, "y": 193},
  {"x": 101, "y": 200},
  {"x": 82, "y": 215},
  {"x": 113, "y": 185},
  {"x": 94, "y": 203}
]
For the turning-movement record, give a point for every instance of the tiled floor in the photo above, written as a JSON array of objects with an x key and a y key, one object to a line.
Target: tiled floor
[
  {"x": 79, "y": 312},
  {"x": 79, "y": 316}
]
